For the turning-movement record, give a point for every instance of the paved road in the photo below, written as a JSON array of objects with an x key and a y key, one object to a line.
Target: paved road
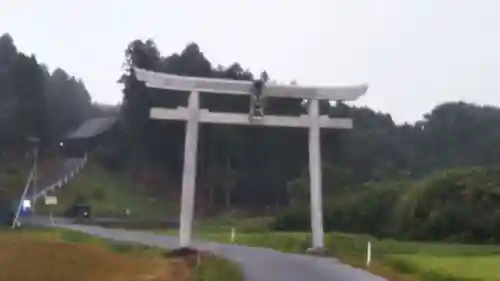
[{"x": 258, "y": 264}]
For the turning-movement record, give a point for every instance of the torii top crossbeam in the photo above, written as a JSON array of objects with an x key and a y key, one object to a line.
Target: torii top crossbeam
[{"x": 236, "y": 87}]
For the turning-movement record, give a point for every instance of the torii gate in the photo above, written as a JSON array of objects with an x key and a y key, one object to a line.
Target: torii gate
[{"x": 193, "y": 114}]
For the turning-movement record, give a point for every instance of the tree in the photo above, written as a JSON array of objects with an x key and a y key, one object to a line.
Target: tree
[
  {"x": 34, "y": 103},
  {"x": 68, "y": 103},
  {"x": 28, "y": 83},
  {"x": 8, "y": 52}
]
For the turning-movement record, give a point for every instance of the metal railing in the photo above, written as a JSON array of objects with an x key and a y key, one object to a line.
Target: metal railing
[
  {"x": 21, "y": 201},
  {"x": 59, "y": 183}
]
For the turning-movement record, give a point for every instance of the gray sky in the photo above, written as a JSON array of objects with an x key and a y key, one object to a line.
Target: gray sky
[{"x": 414, "y": 54}]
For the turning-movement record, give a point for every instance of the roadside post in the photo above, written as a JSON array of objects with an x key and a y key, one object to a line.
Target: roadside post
[{"x": 51, "y": 201}]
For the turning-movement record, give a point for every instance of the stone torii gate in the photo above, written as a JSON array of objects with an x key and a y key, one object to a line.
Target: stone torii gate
[{"x": 193, "y": 114}]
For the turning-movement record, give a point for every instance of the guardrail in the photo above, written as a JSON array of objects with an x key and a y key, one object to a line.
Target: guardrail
[
  {"x": 68, "y": 175},
  {"x": 20, "y": 204},
  {"x": 62, "y": 181}
]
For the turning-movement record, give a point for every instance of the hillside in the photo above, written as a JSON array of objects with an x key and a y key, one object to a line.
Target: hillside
[
  {"x": 110, "y": 193},
  {"x": 14, "y": 175}
]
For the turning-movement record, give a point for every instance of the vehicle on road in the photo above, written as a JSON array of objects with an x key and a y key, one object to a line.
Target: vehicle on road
[{"x": 78, "y": 211}]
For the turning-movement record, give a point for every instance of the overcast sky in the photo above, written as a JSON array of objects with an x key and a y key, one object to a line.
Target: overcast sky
[{"x": 414, "y": 54}]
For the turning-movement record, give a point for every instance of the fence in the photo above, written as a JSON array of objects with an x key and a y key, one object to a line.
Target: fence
[{"x": 61, "y": 182}]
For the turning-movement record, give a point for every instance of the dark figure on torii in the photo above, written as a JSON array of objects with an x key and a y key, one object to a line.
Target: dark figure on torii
[{"x": 258, "y": 97}]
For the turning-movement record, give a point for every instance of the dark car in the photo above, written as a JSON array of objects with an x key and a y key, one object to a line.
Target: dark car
[{"x": 78, "y": 211}]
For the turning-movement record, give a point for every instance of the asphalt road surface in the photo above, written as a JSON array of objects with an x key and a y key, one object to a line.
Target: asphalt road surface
[{"x": 258, "y": 264}]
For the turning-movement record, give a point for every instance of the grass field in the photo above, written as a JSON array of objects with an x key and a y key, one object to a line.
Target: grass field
[
  {"x": 13, "y": 176},
  {"x": 109, "y": 194},
  {"x": 56, "y": 255},
  {"x": 460, "y": 267},
  {"x": 395, "y": 260}
]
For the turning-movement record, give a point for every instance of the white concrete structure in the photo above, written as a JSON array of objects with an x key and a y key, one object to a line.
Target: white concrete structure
[
  {"x": 194, "y": 115},
  {"x": 50, "y": 200}
]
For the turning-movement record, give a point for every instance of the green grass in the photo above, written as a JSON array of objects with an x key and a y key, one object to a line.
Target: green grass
[
  {"x": 214, "y": 268},
  {"x": 109, "y": 194},
  {"x": 12, "y": 180},
  {"x": 208, "y": 268},
  {"x": 14, "y": 174},
  {"x": 392, "y": 259},
  {"x": 459, "y": 267}
]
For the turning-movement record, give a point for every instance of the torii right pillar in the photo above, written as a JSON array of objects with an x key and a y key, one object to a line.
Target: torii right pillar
[{"x": 315, "y": 178}]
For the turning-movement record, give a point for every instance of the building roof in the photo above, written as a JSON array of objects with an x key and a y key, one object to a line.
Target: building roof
[{"x": 92, "y": 127}]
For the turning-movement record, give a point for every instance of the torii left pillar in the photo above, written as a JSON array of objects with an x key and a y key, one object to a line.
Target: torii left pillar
[
  {"x": 315, "y": 176},
  {"x": 189, "y": 171}
]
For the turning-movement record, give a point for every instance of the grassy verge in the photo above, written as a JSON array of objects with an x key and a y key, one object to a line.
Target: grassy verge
[
  {"x": 13, "y": 175},
  {"x": 207, "y": 266},
  {"x": 109, "y": 194},
  {"x": 395, "y": 260},
  {"x": 56, "y": 255},
  {"x": 212, "y": 268}
]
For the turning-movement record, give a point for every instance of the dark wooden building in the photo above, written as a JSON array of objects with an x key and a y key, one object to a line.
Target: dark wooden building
[{"x": 87, "y": 136}]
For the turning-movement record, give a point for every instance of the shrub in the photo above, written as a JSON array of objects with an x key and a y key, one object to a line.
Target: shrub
[
  {"x": 293, "y": 219},
  {"x": 80, "y": 198},
  {"x": 98, "y": 194}
]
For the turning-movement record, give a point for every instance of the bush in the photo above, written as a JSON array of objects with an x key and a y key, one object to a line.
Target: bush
[
  {"x": 459, "y": 205},
  {"x": 12, "y": 170},
  {"x": 258, "y": 224},
  {"x": 98, "y": 194},
  {"x": 80, "y": 198},
  {"x": 293, "y": 219},
  {"x": 402, "y": 265}
]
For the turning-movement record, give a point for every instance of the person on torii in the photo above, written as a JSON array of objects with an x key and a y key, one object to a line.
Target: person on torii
[{"x": 258, "y": 98}]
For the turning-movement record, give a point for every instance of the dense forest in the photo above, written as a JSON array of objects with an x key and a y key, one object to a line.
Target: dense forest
[
  {"x": 38, "y": 108},
  {"x": 435, "y": 179},
  {"x": 36, "y": 103}
]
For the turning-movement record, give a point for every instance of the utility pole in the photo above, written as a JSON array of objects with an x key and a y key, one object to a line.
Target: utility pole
[
  {"x": 35, "y": 141},
  {"x": 35, "y": 176}
]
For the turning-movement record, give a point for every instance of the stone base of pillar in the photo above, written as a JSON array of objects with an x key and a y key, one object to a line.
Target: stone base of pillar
[
  {"x": 184, "y": 251},
  {"x": 317, "y": 251}
]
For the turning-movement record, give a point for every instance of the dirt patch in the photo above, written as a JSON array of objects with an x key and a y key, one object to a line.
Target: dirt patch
[
  {"x": 40, "y": 257},
  {"x": 207, "y": 266}
]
